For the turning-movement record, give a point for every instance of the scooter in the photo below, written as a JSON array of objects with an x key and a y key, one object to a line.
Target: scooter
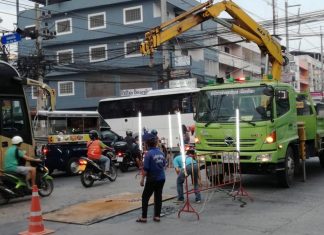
[
  {"x": 14, "y": 185},
  {"x": 91, "y": 170}
]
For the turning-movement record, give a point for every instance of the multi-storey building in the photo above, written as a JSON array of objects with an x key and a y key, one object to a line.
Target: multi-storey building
[{"x": 95, "y": 52}]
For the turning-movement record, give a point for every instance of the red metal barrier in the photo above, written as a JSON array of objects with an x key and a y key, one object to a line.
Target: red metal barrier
[{"x": 220, "y": 169}]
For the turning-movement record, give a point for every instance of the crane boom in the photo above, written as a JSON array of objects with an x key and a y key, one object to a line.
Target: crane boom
[
  {"x": 51, "y": 92},
  {"x": 243, "y": 25}
]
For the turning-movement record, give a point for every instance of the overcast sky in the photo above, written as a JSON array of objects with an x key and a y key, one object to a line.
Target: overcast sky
[{"x": 258, "y": 9}]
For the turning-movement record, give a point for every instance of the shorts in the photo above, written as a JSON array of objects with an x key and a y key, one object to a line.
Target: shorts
[{"x": 23, "y": 170}]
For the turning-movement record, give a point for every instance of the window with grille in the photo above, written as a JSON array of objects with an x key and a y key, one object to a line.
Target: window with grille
[
  {"x": 132, "y": 48},
  {"x": 63, "y": 26},
  {"x": 133, "y": 15},
  {"x": 65, "y": 57},
  {"x": 97, "y": 21},
  {"x": 65, "y": 88},
  {"x": 98, "y": 53}
]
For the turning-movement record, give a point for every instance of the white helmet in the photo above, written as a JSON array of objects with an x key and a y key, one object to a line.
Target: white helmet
[{"x": 16, "y": 140}]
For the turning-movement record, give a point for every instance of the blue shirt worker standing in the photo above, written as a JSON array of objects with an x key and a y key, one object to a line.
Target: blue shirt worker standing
[
  {"x": 192, "y": 169},
  {"x": 153, "y": 171}
]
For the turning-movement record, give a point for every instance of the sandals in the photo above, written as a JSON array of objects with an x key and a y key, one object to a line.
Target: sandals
[{"x": 141, "y": 220}]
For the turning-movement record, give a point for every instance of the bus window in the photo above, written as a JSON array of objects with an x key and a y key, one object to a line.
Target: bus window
[
  {"x": 186, "y": 104},
  {"x": 57, "y": 126},
  {"x": 90, "y": 123},
  {"x": 14, "y": 119},
  {"x": 12, "y": 115},
  {"x": 74, "y": 125}
]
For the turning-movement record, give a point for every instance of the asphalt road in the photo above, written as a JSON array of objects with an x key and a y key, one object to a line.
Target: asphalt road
[{"x": 298, "y": 210}]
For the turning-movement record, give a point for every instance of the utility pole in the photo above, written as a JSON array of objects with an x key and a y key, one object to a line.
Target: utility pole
[
  {"x": 322, "y": 73},
  {"x": 39, "y": 55},
  {"x": 17, "y": 11},
  {"x": 287, "y": 22},
  {"x": 274, "y": 16},
  {"x": 165, "y": 52}
]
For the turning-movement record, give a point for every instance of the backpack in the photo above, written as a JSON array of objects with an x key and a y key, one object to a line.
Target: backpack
[{"x": 21, "y": 161}]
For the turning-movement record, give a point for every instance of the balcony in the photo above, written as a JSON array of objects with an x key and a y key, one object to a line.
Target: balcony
[{"x": 237, "y": 62}]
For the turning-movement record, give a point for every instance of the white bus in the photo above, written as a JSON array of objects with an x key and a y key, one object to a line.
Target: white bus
[{"x": 156, "y": 107}]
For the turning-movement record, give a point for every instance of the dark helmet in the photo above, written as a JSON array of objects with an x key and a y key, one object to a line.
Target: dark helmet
[
  {"x": 129, "y": 133},
  {"x": 190, "y": 152},
  {"x": 149, "y": 139},
  {"x": 93, "y": 134},
  {"x": 154, "y": 132}
]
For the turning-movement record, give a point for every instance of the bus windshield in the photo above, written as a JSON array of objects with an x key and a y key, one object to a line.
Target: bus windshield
[{"x": 219, "y": 105}]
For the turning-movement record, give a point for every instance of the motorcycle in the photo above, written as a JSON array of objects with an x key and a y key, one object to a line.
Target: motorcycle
[
  {"x": 14, "y": 185},
  {"x": 91, "y": 170},
  {"x": 127, "y": 157}
]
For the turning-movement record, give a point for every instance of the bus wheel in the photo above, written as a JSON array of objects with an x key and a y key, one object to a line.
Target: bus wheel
[
  {"x": 286, "y": 177},
  {"x": 321, "y": 158},
  {"x": 72, "y": 166},
  {"x": 3, "y": 199}
]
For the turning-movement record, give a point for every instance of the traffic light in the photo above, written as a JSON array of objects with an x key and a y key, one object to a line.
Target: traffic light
[{"x": 28, "y": 32}]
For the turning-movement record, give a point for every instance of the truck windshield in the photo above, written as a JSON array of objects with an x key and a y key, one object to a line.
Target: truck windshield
[{"x": 219, "y": 105}]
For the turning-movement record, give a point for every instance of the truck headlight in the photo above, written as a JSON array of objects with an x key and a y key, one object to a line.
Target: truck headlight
[{"x": 266, "y": 157}]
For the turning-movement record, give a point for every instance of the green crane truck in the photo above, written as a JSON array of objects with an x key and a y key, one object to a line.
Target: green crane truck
[
  {"x": 271, "y": 114},
  {"x": 278, "y": 126}
]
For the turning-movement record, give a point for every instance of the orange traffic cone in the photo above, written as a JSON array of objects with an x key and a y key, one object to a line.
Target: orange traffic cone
[{"x": 36, "y": 226}]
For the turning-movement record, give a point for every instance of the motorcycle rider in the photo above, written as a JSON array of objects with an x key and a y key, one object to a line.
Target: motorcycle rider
[
  {"x": 132, "y": 147},
  {"x": 12, "y": 157},
  {"x": 95, "y": 147},
  {"x": 159, "y": 142}
]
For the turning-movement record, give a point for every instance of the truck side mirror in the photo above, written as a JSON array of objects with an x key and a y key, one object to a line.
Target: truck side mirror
[{"x": 268, "y": 91}]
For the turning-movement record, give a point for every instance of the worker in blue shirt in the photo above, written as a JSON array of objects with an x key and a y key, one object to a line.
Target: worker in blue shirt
[
  {"x": 153, "y": 171},
  {"x": 191, "y": 169}
]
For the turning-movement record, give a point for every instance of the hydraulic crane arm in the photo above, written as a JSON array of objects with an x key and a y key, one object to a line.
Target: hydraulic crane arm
[
  {"x": 51, "y": 92},
  {"x": 243, "y": 25}
]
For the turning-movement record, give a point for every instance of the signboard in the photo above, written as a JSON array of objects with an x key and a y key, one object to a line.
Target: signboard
[
  {"x": 133, "y": 92},
  {"x": 10, "y": 38},
  {"x": 180, "y": 61},
  {"x": 178, "y": 83}
]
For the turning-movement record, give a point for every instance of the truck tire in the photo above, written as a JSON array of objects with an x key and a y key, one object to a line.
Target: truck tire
[
  {"x": 321, "y": 158},
  {"x": 286, "y": 177},
  {"x": 72, "y": 166}
]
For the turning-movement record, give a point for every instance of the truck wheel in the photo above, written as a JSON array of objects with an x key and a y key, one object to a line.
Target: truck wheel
[
  {"x": 321, "y": 158},
  {"x": 286, "y": 177},
  {"x": 72, "y": 166},
  {"x": 215, "y": 179}
]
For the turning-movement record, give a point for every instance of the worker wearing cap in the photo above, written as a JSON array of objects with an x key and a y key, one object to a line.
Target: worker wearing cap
[{"x": 153, "y": 171}]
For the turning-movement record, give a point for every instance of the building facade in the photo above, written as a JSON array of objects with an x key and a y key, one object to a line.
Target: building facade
[{"x": 95, "y": 52}]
